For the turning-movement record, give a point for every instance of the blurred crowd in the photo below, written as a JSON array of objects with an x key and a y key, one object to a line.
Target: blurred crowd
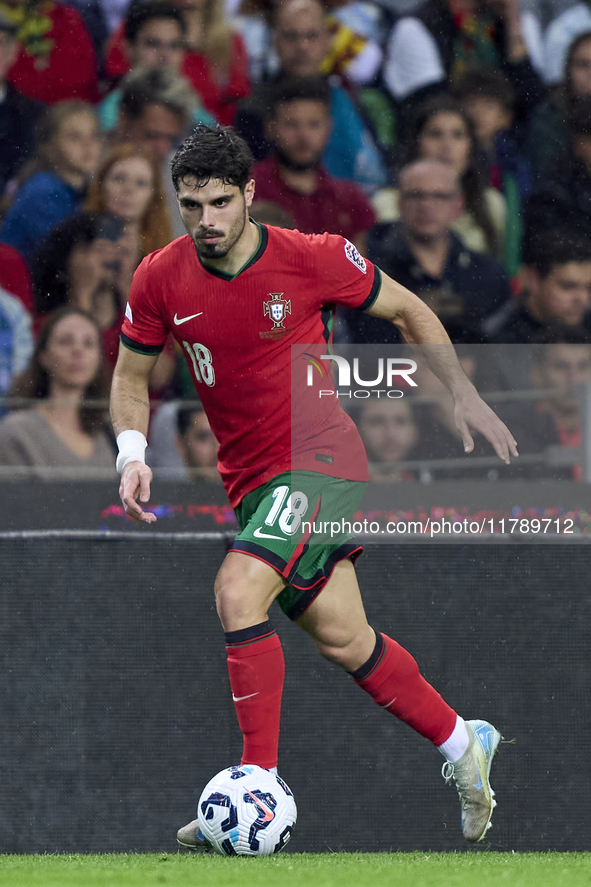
[{"x": 449, "y": 140}]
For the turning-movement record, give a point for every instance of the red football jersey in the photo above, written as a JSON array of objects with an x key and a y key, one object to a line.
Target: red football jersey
[{"x": 244, "y": 336}]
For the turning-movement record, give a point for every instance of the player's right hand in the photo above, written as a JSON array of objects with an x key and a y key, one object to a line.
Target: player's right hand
[{"x": 135, "y": 484}]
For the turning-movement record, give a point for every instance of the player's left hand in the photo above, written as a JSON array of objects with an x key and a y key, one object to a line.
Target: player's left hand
[{"x": 471, "y": 413}]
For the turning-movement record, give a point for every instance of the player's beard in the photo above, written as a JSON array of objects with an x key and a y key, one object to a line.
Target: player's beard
[{"x": 222, "y": 248}]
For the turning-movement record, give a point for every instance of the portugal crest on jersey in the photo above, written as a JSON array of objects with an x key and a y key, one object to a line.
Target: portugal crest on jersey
[{"x": 277, "y": 309}]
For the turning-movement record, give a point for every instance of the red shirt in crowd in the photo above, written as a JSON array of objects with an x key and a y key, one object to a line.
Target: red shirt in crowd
[
  {"x": 220, "y": 99},
  {"x": 70, "y": 71},
  {"x": 15, "y": 277}
]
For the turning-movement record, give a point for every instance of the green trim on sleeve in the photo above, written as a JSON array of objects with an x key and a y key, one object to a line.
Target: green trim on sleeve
[
  {"x": 375, "y": 290},
  {"x": 139, "y": 347}
]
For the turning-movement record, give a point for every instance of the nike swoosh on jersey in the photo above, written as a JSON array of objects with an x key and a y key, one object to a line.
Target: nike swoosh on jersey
[
  {"x": 240, "y": 698},
  {"x": 260, "y": 535},
  {"x": 179, "y": 320}
]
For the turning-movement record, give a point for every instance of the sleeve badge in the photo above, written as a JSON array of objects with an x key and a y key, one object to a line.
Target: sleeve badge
[{"x": 355, "y": 256}]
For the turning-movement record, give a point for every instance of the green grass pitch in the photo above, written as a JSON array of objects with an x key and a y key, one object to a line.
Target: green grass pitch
[{"x": 484, "y": 869}]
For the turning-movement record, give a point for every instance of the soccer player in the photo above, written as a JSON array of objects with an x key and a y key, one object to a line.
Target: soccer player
[{"x": 214, "y": 291}]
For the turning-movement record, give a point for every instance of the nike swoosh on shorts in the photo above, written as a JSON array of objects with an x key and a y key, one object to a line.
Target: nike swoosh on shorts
[{"x": 260, "y": 535}]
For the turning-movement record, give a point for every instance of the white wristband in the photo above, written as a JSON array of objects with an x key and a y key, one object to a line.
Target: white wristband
[{"x": 132, "y": 447}]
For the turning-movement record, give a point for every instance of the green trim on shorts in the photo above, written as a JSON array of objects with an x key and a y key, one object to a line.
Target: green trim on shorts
[{"x": 297, "y": 523}]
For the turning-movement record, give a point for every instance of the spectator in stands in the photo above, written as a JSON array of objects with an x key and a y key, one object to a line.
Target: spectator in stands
[
  {"x": 155, "y": 111},
  {"x": 182, "y": 444},
  {"x": 549, "y": 139},
  {"x": 389, "y": 432},
  {"x": 57, "y": 60},
  {"x": 442, "y": 130},
  {"x": 154, "y": 39},
  {"x": 215, "y": 60},
  {"x": 556, "y": 289},
  {"x": 196, "y": 444},
  {"x": 438, "y": 436},
  {"x": 563, "y": 196},
  {"x": 443, "y": 39},
  {"x": 560, "y": 360},
  {"x": 302, "y": 40},
  {"x": 16, "y": 341},
  {"x": 354, "y": 55},
  {"x": 78, "y": 264},
  {"x": 127, "y": 189},
  {"x": 559, "y": 36},
  {"x": 68, "y": 154},
  {"x": 15, "y": 277},
  {"x": 422, "y": 253},
  {"x": 60, "y": 431},
  {"x": 18, "y": 114},
  {"x": 94, "y": 16},
  {"x": 265, "y": 212},
  {"x": 298, "y": 126},
  {"x": 488, "y": 98}
]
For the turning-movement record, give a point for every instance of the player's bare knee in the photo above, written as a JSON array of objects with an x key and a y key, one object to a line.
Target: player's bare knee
[
  {"x": 350, "y": 652},
  {"x": 337, "y": 653},
  {"x": 228, "y": 600},
  {"x": 244, "y": 592}
]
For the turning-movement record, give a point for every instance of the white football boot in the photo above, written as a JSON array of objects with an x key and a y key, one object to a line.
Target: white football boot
[
  {"x": 471, "y": 776},
  {"x": 191, "y": 837}
]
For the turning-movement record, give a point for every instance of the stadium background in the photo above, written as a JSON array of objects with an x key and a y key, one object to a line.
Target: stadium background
[{"x": 116, "y": 706}]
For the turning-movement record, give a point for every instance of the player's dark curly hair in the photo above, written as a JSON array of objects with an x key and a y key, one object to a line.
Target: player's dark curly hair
[{"x": 213, "y": 152}]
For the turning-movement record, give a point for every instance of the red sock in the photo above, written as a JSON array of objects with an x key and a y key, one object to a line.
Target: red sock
[
  {"x": 257, "y": 669},
  {"x": 392, "y": 679}
]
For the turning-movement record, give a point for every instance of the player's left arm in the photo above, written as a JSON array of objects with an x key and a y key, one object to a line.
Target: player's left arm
[{"x": 420, "y": 326}]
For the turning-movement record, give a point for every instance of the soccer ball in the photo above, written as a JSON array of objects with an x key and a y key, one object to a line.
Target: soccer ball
[{"x": 246, "y": 811}]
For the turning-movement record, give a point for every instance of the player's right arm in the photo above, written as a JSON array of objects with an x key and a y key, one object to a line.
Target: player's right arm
[{"x": 130, "y": 411}]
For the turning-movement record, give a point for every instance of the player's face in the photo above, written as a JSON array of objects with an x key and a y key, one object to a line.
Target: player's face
[
  {"x": 300, "y": 132},
  {"x": 388, "y": 430},
  {"x": 73, "y": 353},
  {"x": 565, "y": 294},
  {"x": 128, "y": 189},
  {"x": 446, "y": 137},
  {"x": 159, "y": 44},
  {"x": 214, "y": 214},
  {"x": 76, "y": 147},
  {"x": 197, "y": 445},
  {"x": 429, "y": 200}
]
